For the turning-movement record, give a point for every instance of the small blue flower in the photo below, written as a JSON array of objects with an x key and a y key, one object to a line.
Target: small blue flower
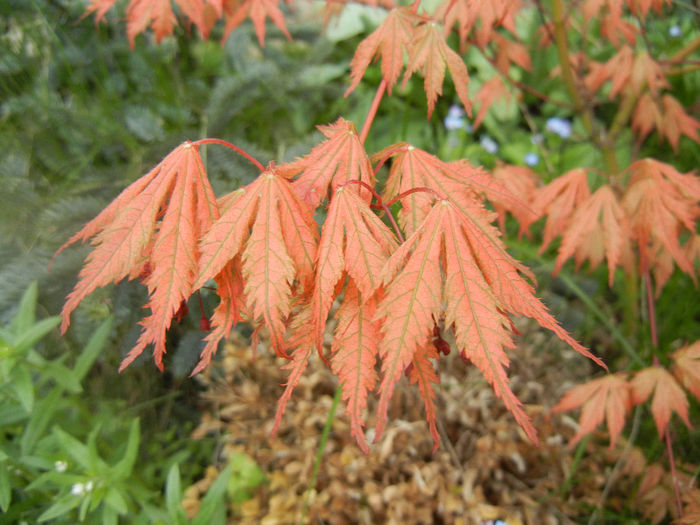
[
  {"x": 532, "y": 159},
  {"x": 674, "y": 31},
  {"x": 468, "y": 127},
  {"x": 452, "y": 122},
  {"x": 455, "y": 111},
  {"x": 559, "y": 126},
  {"x": 537, "y": 138},
  {"x": 490, "y": 145}
]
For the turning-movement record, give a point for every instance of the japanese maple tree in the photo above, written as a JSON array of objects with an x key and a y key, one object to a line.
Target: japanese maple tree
[{"x": 424, "y": 256}]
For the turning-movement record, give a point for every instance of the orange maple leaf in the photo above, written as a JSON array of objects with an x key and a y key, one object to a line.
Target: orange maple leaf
[
  {"x": 629, "y": 71},
  {"x": 337, "y": 160},
  {"x": 660, "y": 203},
  {"x": 354, "y": 350},
  {"x": 646, "y": 116},
  {"x": 159, "y": 15},
  {"x": 150, "y": 230},
  {"x": 691, "y": 509},
  {"x": 429, "y": 53},
  {"x": 228, "y": 312},
  {"x": 598, "y": 228},
  {"x": 99, "y": 7},
  {"x": 490, "y": 14},
  {"x": 668, "y": 395},
  {"x": 520, "y": 181},
  {"x": 613, "y": 26},
  {"x": 237, "y": 11},
  {"x": 686, "y": 367},
  {"x": 354, "y": 241},
  {"x": 455, "y": 265},
  {"x": 422, "y": 372},
  {"x": 389, "y": 41},
  {"x": 302, "y": 344},
  {"x": 675, "y": 122},
  {"x": 510, "y": 52},
  {"x": 558, "y": 200},
  {"x": 490, "y": 91},
  {"x": 606, "y": 398},
  {"x": 415, "y": 168},
  {"x": 334, "y": 8},
  {"x": 274, "y": 233}
]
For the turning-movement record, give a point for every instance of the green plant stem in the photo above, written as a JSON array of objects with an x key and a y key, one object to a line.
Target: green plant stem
[
  {"x": 319, "y": 452},
  {"x": 603, "y": 141},
  {"x": 580, "y": 449},
  {"x": 590, "y": 304},
  {"x": 686, "y": 50}
]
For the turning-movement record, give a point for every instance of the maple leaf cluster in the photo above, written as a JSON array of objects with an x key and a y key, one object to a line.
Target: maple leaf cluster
[
  {"x": 276, "y": 268},
  {"x": 262, "y": 247},
  {"x": 611, "y": 397},
  {"x": 650, "y": 213}
]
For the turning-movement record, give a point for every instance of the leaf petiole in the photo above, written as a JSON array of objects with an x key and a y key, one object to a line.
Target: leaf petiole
[{"x": 235, "y": 148}]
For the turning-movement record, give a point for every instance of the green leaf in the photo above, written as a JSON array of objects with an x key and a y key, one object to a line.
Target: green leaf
[
  {"x": 41, "y": 417},
  {"x": 23, "y": 387},
  {"x": 9, "y": 415},
  {"x": 173, "y": 492},
  {"x": 114, "y": 499},
  {"x": 25, "y": 318},
  {"x": 92, "y": 349},
  {"x": 28, "y": 338},
  {"x": 246, "y": 476},
  {"x": 61, "y": 507},
  {"x": 5, "y": 488},
  {"x": 126, "y": 464},
  {"x": 109, "y": 517},
  {"x": 213, "y": 501},
  {"x": 73, "y": 447}
]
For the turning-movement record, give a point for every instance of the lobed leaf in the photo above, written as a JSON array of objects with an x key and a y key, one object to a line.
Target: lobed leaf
[{"x": 150, "y": 230}]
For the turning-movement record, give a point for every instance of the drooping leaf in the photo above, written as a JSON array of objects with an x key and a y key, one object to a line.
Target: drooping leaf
[
  {"x": 520, "y": 182},
  {"x": 257, "y": 10},
  {"x": 675, "y": 122},
  {"x": 510, "y": 52},
  {"x": 646, "y": 116},
  {"x": 455, "y": 264},
  {"x": 558, "y": 200},
  {"x": 429, "y": 54},
  {"x": 422, "y": 372},
  {"x": 337, "y": 160},
  {"x": 274, "y": 233},
  {"x": 597, "y": 229},
  {"x": 302, "y": 345},
  {"x": 490, "y": 91},
  {"x": 100, "y": 8},
  {"x": 354, "y": 242},
  {"x": 160, "y": 16},
  {"x": 354, "y": 353},
  {"x": 686, "y": 368},
  {"x": 606, "y": 398},
  {"x": 414, "y": 168},
  {"x": 227, "y": 313},
  {"x": 489, "y": 14},
  {"x": 660, "y": 204},
  {"x": 668, "y": 395},
  {"x": 389, "y": 41},
  {"x": 150, "y": 231}
]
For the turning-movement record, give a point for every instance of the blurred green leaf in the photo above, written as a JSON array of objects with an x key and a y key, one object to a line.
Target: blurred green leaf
[{"x": 125, "y": 465}]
